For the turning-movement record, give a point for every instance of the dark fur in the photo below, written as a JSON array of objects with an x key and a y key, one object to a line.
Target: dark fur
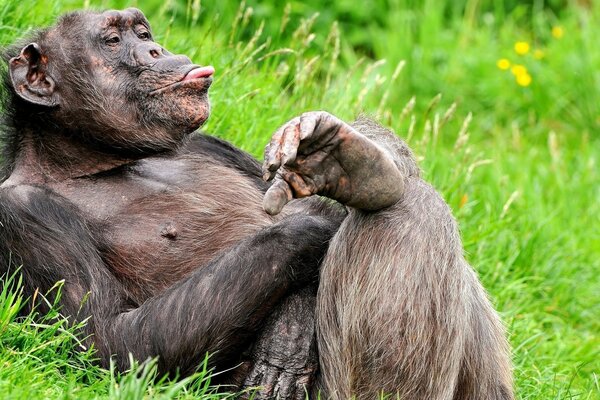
[
  {"x": 167, "y": 235},
  {"x": 52, "y": 242}
]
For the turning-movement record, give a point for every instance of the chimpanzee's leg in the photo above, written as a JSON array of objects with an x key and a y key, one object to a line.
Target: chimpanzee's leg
[
  {"x": 399, "y": 310},
  {"x": 283, "y": 359}
]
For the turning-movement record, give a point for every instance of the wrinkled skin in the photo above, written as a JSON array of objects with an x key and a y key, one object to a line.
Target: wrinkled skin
[
  {"x": 317, "y": 153},
  {"x": 120, "y": 69},
  {"x": 129, "y": 59}
]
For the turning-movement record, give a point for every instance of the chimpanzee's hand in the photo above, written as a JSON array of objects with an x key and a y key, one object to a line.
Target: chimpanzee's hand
[{"x": 318, "y": 153}]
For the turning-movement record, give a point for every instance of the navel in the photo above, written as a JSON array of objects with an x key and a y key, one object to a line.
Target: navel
[{"x": 169, "y": 231}]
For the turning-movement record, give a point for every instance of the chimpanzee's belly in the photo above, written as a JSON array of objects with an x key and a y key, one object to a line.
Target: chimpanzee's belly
[{"x": 162, "y": 225}]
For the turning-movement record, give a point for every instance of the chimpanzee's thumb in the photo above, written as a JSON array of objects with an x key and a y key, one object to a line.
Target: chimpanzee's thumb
[{"x": 278, "y": 195}]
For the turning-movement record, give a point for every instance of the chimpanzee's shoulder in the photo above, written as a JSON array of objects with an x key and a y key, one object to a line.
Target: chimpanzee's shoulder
[
  {"x": 30, "y": 214},
  {"x": 21, "y": 194},
  {"x": 226, "y": 154},
  {"x": 23, "y": 199}
]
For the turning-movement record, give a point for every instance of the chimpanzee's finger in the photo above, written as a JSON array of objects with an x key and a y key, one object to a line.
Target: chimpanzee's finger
[
  {"x": 298, "y": 183},
  {"x": 268, "y": 384},
  {"x": 287, "y": 386},
  {"x": 277, "y": 196},
  {"x": 290, "y": 142},
  {"x": 272, "y": 158},
  {"x": 274, "y": 151},
  {"x": 308, "y": 123},
  {"x": 317, "y": 128}
]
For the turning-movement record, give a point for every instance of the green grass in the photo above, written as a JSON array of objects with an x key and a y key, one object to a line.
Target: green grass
[{"x": 518, "y": 165}]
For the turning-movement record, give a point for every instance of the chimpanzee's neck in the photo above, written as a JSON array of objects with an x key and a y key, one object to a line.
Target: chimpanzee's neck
[{"x": 57, "y": 156}]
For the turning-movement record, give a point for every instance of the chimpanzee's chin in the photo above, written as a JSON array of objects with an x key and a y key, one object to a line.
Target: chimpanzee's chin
[
  {"x": 202, "y": 112},
  {"x": 197, "y": 125}
]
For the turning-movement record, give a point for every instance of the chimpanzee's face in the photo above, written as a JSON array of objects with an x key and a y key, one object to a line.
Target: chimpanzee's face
[
  {"x": 167, "y": 88},
  {"x": 106, "y": 77}
]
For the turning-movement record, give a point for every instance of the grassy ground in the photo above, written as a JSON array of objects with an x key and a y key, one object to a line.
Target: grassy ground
[{"x": 512, "y": 143}]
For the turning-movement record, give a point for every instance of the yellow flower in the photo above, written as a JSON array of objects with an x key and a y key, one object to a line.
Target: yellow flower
[
  {"x": 523, "y": 79},
  {"x": 518, "y": 69},
  {"x": 503, "y": 63},
  {"x": 538, "y": 54},
  {"x": 557, "y": 32},
  {"x": 521, "y": 48}
]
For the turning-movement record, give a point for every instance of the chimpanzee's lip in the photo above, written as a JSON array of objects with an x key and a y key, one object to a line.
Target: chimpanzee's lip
[
  {"x": 199, "y": 72},
  {"x": 194, "y": 73}
]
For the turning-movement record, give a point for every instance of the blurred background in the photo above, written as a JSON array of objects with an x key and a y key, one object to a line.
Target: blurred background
[{"x": 500, "y": 101}]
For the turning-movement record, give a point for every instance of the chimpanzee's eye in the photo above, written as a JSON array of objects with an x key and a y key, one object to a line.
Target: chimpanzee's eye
[
  {"x": 144, "y": 35},
  {"x": 113, "y": 40}
]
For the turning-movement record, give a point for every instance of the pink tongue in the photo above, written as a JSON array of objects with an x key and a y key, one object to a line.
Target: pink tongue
[{"x": 200, "y": 72}]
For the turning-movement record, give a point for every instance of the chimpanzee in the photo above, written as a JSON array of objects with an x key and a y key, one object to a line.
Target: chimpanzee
[{"x": 176, "y": 244}]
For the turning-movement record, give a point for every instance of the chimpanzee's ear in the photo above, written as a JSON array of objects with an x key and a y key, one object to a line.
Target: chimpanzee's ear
[{"x": 30, "y": 78}]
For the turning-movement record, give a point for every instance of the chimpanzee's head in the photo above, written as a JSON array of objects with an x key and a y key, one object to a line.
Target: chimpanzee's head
[{"x": 102, "y": 76}]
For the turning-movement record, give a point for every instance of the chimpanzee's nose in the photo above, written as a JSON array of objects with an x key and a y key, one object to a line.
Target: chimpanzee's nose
[
  {"x": 148, "y": 53},
  {"x": 155, "y": 53}
]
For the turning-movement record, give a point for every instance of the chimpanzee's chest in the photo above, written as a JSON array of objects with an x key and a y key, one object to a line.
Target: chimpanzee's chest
[{"x": 169, "y": 217}]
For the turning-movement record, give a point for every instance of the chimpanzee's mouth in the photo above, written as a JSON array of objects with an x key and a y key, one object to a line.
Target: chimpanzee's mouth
[
  {"x": 196, "y": 74},
  {"x": 199, "y": 72}
]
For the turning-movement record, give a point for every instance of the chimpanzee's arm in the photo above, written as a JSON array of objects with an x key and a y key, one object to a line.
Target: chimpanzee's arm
[
  {"x": 215, "y": 310},
  {"x": 283, "y": 360}
]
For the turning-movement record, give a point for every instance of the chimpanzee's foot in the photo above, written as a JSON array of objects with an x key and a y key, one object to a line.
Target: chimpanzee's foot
[{"x": 285, "y": 356}]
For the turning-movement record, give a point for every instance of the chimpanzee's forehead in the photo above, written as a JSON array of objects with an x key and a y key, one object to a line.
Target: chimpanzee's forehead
[{"x": 120, "y": 18}]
